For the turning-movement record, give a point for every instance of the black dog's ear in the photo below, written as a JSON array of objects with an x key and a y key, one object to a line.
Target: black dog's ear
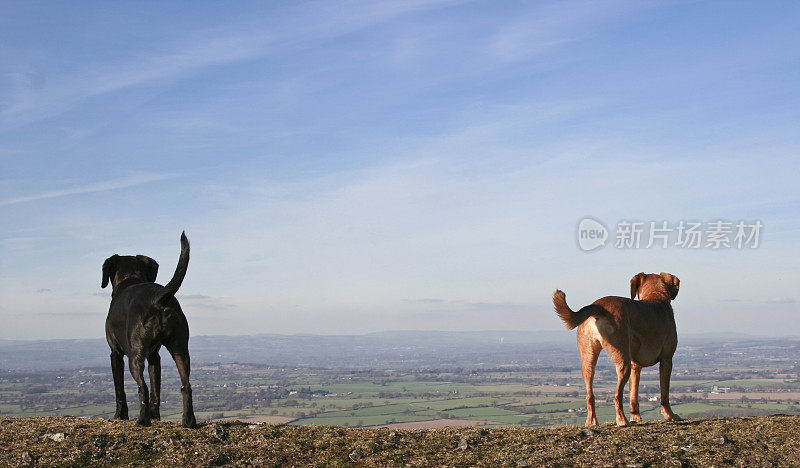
[
  {"x": 109, "y": 267},
  {"x": 152, "y": 267},
  {"x": 673, "y": 284},
  {"x": 636, "y": 281}
]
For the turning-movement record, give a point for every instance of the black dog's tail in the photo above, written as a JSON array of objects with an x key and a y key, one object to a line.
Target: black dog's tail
[
  {"x": 571, "y": 319},
  {"x": 180, "y": 272}
]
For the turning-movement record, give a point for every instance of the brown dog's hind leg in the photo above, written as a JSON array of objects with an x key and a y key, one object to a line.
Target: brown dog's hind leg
[
  {"x": 136, "y": 365},
  {"x": 154, "y": 369},
  {"x": 181, "y": 357},
  {"x": 589, "y": 351},
  {"x": 118, "y": 371},
  {"x": 636, "y": 370},
  {"x": 665, "y": 371}
]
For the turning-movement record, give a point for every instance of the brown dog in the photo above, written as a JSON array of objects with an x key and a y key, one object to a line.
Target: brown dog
[{"x": 634, "y": 333}]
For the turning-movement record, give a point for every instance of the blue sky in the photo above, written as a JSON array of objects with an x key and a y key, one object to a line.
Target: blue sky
[{"x": 346, "y": 167}]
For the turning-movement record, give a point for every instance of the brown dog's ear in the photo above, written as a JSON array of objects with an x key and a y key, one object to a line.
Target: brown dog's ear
[
  {"x": 673, "y": 284},
  {"x": 636, "y": 281},
  {"x": 152, "y": 267},
  {"x": 109, "y": 267}
]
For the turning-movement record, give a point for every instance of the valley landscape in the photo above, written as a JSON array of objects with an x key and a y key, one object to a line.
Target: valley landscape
[{"x": 412, "y": 380}]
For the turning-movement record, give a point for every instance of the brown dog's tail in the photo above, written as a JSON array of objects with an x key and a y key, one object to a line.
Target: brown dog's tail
[
  {"x": 571, "y": 319},
  {"x": 180, "y": 272}
]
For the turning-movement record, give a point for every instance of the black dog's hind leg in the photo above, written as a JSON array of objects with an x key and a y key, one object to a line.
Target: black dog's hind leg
[
  {"x": 118, "y": 371},
  {"x": 154, "y": 369},
  {"x": 136, "y": 365},
  {"x": 181, "y": 356}
]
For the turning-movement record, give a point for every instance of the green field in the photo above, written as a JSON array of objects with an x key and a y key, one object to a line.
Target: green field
[{"x": 343, "y": 398}]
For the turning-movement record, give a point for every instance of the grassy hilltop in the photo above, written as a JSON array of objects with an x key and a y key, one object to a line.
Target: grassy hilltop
[{"x": 67, "y": 441}]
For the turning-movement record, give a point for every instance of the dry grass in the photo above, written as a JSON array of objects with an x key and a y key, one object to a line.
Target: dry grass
[{"x": 763, "y": 441}]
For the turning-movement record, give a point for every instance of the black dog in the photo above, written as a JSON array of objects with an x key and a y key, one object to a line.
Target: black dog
[{"x": 142, "y": 317}]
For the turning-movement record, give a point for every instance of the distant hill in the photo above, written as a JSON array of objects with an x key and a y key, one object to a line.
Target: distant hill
[
  {"x": 396, "y": 349},
  {"x": 761, "y": 441},
  {"x": 383, "y": 350}
]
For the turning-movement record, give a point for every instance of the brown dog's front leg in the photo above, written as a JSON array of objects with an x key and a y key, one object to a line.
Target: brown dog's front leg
[
  {"x": 636, "y": 370},
  {"x": 118, "y": 371},
  {"x": 623, "y": 373},
  {"x": 665, "y": 371}
]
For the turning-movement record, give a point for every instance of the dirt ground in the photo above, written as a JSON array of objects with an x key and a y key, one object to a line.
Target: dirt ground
[
  {"x": 74, "y": 442},
  {"x": 437, "y": 424},
  {"x": 257, "y": 419}
]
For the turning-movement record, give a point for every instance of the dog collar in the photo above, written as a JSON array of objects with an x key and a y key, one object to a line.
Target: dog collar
[{"x": 127, "y": 277}]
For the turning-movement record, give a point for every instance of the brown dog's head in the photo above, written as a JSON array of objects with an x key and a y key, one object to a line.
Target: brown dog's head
[
  {"x": 653, "y": 287},
  {"x": 118, "y": 268}
]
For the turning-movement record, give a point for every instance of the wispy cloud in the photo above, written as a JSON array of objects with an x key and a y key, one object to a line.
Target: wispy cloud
[
  {"x": 69, "y": 314},
  {"x": 123, "y": 182},
  {"x": 196, "y": 51},
  {"x": 550, "y": 26},
  {"x": 782, "y": 301},
  {"x": 201, "y": 301}
]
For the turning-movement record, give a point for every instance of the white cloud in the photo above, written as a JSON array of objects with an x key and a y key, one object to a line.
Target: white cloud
[{"x": 114, "y": 184}]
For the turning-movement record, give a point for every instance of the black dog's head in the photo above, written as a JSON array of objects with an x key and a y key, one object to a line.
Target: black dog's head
[{"x": 118, "y": 268}]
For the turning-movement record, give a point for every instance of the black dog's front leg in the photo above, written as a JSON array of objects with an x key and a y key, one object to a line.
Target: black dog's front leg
[
  {"x": 118, "y": 370},
  {"x": 136, "y": 365}
]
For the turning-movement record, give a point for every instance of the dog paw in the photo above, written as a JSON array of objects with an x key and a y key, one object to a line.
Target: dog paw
[{"x": 635, "y": 418}]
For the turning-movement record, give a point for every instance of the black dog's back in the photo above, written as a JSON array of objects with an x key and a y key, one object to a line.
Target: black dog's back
[{"x": 137, "y": 319}]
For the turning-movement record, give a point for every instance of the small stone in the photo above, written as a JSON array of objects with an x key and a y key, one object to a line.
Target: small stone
[
  {"x": 26, "y": 458},
  {"x": 253, "y": 426},
  {"x": 635, "y": 465},
  {"x": 356, "y": 455},
  {"x": 58, "y": 436},
  {"x": 721, "y": 440},
  {"x": 588, "y": 432},
  {"x": 522, "y": 464},
  {"x": 463, "y": 444},
  {"x": 688, "y": 448}
]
